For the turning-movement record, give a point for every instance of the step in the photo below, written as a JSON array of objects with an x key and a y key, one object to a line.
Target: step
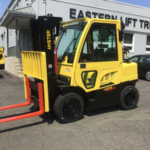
[
  {"x": 18, "y": 65},
  {"x": 19, "y": 72},
  {"x": 18, "y": 68},
  {"x": 18, "y": 60},
  {"x": 20, "y": 76}
]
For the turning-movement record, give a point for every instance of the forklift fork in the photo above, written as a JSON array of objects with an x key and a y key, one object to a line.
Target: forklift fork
[{"x": 29, "y": 100}]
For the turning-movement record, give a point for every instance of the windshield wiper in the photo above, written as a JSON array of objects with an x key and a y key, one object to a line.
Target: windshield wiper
[{"x": 66, "y": 50}]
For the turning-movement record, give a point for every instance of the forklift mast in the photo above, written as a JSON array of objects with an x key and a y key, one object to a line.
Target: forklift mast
[
  {"x": 39, "y": 64},
  {"x": 44, "y": 30}
]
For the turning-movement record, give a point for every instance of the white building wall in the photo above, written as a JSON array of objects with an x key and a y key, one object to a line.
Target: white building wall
[
  {"x": 24, "y": 3},
  {"x": 39, "y": 7}
]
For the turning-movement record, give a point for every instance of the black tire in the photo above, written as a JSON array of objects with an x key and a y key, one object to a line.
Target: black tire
[
  {"x": 147, "y": 75},
  {"x": 129, "y": 98},
  {"x": 68, "y": 107}
]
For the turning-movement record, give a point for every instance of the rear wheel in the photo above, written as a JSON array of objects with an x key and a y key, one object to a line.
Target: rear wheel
[
  {"x": 147, "y": 75},
  {"x": 129, "y": 98},
  {"x": 68, "y": 107}
]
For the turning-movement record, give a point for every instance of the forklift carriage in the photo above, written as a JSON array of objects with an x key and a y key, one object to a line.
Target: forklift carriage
[{"x": 84, "y": 69}]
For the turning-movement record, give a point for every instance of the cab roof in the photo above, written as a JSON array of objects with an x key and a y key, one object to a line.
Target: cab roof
[{"x": 88, "y": 19}]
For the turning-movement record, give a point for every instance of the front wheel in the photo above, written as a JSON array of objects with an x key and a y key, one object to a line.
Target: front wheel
[
  {"x": 147, "y": 75},
  {"x": 68, "y": 107},
  {"x": 129, "y": 98}
]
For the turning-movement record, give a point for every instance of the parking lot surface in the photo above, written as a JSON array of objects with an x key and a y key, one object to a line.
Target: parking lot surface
[{"x": 107, "y": 128}]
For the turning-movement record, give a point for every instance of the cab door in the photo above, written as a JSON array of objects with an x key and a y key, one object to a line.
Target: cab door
[{"x": 99, "y": 66}]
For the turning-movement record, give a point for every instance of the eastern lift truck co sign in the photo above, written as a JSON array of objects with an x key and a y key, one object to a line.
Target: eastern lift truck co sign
[{"x": 74, "y": 15}]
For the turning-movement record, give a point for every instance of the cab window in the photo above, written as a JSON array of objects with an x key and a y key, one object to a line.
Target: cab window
[
  {"x": 89, "y": 78},
  {"x": 100, "y": 44}
]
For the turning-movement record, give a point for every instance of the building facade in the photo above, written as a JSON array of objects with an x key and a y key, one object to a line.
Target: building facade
[{"x": 15, "y": 28}]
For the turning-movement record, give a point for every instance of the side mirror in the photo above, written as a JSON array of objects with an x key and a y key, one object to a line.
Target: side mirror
[
  {"x": 82, "y": 23},
  {"x": 122, "y": 25},
  {"x": 121, "y": 35}
]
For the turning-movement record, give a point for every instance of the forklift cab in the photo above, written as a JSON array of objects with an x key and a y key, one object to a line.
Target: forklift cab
[
  {"x": 90, "y": 53},
  {"x": 90, "y": 59}
]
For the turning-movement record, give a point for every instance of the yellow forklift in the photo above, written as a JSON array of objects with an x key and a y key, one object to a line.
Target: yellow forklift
[
  {"x": 2, "y": 57},
  {"x": 83, "y": 70}
]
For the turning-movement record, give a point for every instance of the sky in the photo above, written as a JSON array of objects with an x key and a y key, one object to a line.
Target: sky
[
  {"x": 3, "y": 5},
  {"x": 144, "y": 3}
]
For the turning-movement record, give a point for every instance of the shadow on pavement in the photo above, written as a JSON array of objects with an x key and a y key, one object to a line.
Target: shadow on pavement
[
  {"x": 102, "y": 110},
  {"x": 24, "y": 126},
  {"x": 50, "y": 118},
  {"x": 46, "y": 119},
  {"x": 1, "y": 76},
  {"x": 99, "y": 111},
  {"x": 2, "y": 66}
]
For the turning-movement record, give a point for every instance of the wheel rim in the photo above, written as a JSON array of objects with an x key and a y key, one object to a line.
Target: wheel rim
[
  {"x": 148, "y": 75},
  {"x": 71, "y": 109},
  {"x": 130, "y": 98}
]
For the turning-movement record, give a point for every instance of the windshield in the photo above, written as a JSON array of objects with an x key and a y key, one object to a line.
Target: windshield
[{"x": 68, "y": 42}]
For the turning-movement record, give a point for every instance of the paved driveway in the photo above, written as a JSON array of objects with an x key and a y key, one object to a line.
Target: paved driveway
[{"x": 108, "y": 128}]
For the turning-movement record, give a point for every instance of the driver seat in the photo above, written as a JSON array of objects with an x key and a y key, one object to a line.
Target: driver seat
[{"x": 97, "y": 54}]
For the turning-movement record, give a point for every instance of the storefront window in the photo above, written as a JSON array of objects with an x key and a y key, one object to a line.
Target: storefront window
[
  {"x": 128, "y": 38},
  {"x": 128, "y": 41},
  {"x": 148, "y": 45}
]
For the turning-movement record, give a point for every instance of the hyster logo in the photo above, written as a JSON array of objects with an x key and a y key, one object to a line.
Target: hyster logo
[{"x": 48, "y": 39}]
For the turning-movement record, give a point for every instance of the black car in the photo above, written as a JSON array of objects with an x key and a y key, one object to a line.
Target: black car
[{"x": 143, "y": 62}]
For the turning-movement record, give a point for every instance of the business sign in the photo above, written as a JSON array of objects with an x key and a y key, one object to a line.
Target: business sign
[{"x": 144, "y": 24}]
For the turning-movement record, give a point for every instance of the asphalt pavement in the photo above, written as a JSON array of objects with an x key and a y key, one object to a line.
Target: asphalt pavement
[{"x": 104, "y": 129}]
